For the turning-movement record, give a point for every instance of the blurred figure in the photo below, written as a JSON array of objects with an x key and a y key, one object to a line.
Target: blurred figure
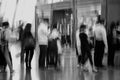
[
  {"x": 112, "y": 44},
  {"x": 2, "y": 57},
  {"x": 85, "y": 49},
  {"x": 20, "y": 30},
  {"x": 6, "y": 37},
  {"x": 28, "y": 75},
  {"x": 101, "y": 45},
  {"x": 78, "y": 47},
  {"x": 91, "y": 44},
  {"x": 54, "y": 47},
  {"x": 28, "y": 45},
  {"x": 43, "y": 33}
]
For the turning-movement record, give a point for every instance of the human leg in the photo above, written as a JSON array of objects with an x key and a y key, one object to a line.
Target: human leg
[
  {"x": 42, "y": 57},
  {"x": 31, "y": 56},
  {"x": 27, "y": 58},
  {"x": 7, "y": 57},
  {"x": 111, "y": 55}
]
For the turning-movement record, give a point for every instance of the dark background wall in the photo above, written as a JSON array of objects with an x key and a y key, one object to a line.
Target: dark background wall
[{"x": 111, "y": 10}]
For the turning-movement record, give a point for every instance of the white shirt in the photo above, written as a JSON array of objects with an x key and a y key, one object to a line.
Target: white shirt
[
  {"x": 54, "y": 34},
  {"x": 100, "y": 34},
  {"x": 43, "y": 34}
]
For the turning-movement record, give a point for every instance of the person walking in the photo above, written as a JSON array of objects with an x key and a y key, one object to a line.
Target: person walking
[
  {"x": 3, "y": 63},
  {"x": 5, "y": 41},
  {"x": 28, "y": 45},
  {"x": 86, "y": 49},
  {"x": 78, "y": 47}
]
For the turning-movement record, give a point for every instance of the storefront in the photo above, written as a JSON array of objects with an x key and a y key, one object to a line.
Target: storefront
[{"x": 62, "y": 14}]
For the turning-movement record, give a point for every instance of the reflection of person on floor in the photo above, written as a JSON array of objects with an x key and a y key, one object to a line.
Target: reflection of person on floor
[
  {"x": 112, "y": 40},
  {"x": 85, "y": 48},
  {"x": 28, "y": 75},
  {"x": 101, "y": 45},
  {"x": 7, "y": 54},
  {"x": 43, "y": 33},
  {"x": 28, "y": 45}
]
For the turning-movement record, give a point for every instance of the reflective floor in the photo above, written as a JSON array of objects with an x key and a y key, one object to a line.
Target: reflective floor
[{"x": 69, "y": 71}]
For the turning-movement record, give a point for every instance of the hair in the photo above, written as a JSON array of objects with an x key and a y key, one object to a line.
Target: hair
[
  {"x": 82, "y": 27},
  {"x": 46, "y": 20},
  {"x": 28, "y": 27},
  {"x": 101, "y": 21},
  {"x": 27, "y": 30},
  {"x": 5, "y": 24},
  {"x": 54, "y": 26}
]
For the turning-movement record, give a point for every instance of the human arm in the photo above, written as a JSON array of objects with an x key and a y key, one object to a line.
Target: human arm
[
  {"x": 78, "y": 43},
  {"x": 104, "y": 34}
]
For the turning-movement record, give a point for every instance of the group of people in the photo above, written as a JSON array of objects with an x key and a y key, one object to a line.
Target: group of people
[
  {"x": 89, "y": 41},
  {"x": 49, "y": 44},
  {"x": 93, "y": 42},
  {"x": 27, "y": 45},
  {"x": 5, "y": 54}
]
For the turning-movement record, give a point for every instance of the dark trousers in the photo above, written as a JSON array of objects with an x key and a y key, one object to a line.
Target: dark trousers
[
  {"x": 2, "y": 57},
  {"x": 52, "y": 58},
  {"x": 99, "y": 52},
  {"x": 43, "y": 55},
  {"x": 111, "y": 55},
  {"x": 22, "y": 54},
  {"x": 86, "y": 55},
  {"x": 29, "y": 56}
]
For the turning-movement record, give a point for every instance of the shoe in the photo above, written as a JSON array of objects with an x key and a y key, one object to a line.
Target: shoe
[{"x": 95, "y": 70}]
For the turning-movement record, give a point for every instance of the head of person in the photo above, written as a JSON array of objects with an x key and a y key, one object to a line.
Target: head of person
[
  {"x": 5, "y": 25},
  {"x": 55, "y": 26},
  {"x": 82, "y": 28},
  {"x": 28, "y": 27},
  {"x": 46, "y": 21},
  {"x": 101, "y": 21}
]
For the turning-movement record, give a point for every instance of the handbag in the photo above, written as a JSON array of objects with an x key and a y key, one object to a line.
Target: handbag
[{"x": 29, "y": 42}]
